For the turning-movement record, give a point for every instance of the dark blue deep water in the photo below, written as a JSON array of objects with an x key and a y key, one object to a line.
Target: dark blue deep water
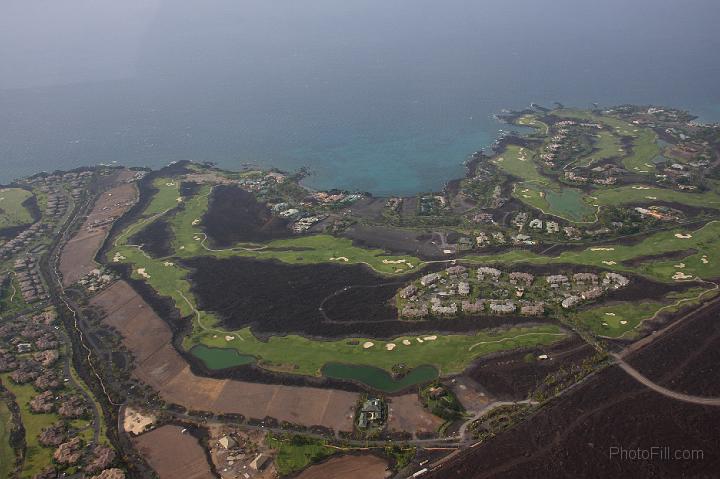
[{"x": 378, "y": 95}]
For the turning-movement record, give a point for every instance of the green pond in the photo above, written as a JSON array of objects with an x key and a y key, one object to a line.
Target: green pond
[
  {"x": 220, "y": 358},
  {"x": 378, "y": 378}
]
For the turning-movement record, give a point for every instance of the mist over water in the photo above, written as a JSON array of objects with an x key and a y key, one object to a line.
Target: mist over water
[{"x": 383, "y": 96}]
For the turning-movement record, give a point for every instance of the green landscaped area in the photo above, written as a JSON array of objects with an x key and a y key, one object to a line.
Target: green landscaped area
[
  {"x": 38, "y": 457},
  {"x": 7, "y": 453},
  {"x": 448, "y": 353},
  {"x": 606, "y": 145},
  {"x": 621, "y": 319},
  {"x": 12, "y": 211},
  {"x": 704, "y": 263},
  {"x": 378, "y": 378},
  {"x": 644, "y": 141},
  {"x": 295, "y": 453}
]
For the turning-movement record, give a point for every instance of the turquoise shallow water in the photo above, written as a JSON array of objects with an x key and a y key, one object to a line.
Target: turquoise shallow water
[{"x": 371, "y": 95}]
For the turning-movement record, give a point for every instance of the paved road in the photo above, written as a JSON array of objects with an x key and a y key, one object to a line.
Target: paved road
[{"x": 635, "y": 374}]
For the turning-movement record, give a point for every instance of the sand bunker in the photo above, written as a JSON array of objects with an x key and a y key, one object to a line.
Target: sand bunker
[
  {"x": 602, "y": 249},
  {"x": 406, "y": 342},
  {"x": 389, "y": 261},
  {"x": 229, "y": 338},
  {"x": 368, "y": 344},
  {"x": 704, "y": 259},
  {"x": 430, "y": 338},
  {"x": 683, "y": 236},
  {"x": 195, "y": 222},
  {"x": 609, "y": 263},
  {"x": 168, "y": 263},
  {"x": 390, "y": 346},
  {"x": 680, "y": 275},
  {"x": 651, "y": 197},
  {"x": 623, "y": 322},
  {"x": 179, "y": 199},
  {"x": 641, "y": 187},
  {"x": 141, "y": 272},
  {"x": 340, "y": 258},
  {"x": 420, "y": 340},
  {"x": 609, "y": 314},
  {"x": 118, "y": 257},
  {"x": 680, "y": 265}
]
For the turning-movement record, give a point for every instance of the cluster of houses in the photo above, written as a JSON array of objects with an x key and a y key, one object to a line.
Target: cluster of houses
[
  {"x": 487, "y": 290},
  {"x": 237, "y": 455},
  {"x": 97, "y": 280},
  {"x": 57, "y": 203},
  {"x": 28, "y": 277},
  {"x": 22, "y": 240},
  {"x": 558, "y": 141}
]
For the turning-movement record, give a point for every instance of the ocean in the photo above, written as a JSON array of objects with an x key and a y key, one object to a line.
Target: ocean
[{"x": 384, "y": 96}]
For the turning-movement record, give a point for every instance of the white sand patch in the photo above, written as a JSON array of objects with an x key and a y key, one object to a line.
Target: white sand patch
[
  {"x": 179, "y": 199},
  {"x": 368, "y": 345},
  {"x": 679, "y": 275},
  {"x": 609, "y": 314},
  {"x": 118, "y": 257},
  {"x": 637, "y": 187},
  {"x": 704, "y": 259},
  {"x": 390, "y": 346},
  {"x": 543, "y": 357},
  {"x": 604, "y": 323},
  {"x": 168, "y": 263},
  {"x": 602, "y": 249},
  {"x": 229, "y": 338},
  {"x": 389, "y": 261},
  {"x": 182, "y": 247},
  {"x": 683, "y": 236},
  {"x": 679, "y": 265},
  {"x": 406, "y": 342},
  {"x": 651, "y": 197},
  {"x": 623, "y": 322},
  {"x": 609, "y": 263},
  {"x": 430, "y": 338},
  {"x": 141, "y": 272},
  {"x": 340, "y": 258},
  {"x": 197, "y": 238},
  {"x": 419, "y": 340},
  {"x": 172, "y": 183},
  {"x": 195, "y": 222}
]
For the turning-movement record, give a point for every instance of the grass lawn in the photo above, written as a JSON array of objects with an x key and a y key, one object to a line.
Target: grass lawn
[
  {"x": 644, "y": 148},
  {"x": 533, "y": 122},
  {"x": 12, "y": 212},
  {"x": 36, "y": 456},
  {"x": 7, "y": 453},
  {"x": 518, "y": 161},
  {"x": 564, "y": 202},
  {"x": 648, "y": 194},
  {"x": 606, "y": 146},
  {"x": 448, "y": 353},
  {"x": 295, "y": 453},
  {"x": 703, "y": 264},
  {"x": 621, "y": 319}
]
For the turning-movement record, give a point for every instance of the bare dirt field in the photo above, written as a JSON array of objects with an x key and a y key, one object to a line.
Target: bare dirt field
[
  {"x": 160, "y": 366},
  {"x": 77, "y": 258},
  {"x": 406, "y": 414},
  {"x": 348, "y": 467},
  {"x": 173, "y": 454}
]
